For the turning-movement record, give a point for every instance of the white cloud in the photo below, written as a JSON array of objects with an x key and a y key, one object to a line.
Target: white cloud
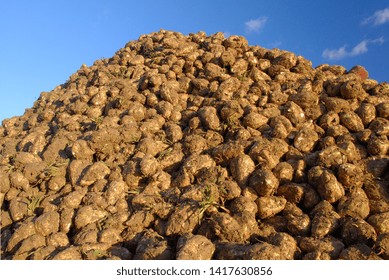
[
  {"x": 378, "y": 18},
  {"x": 335, "y": 54},
  {"x": 379, "y": 40},
  {"x": 359, "y": 49},
  {"x": 255, "y": 25}
]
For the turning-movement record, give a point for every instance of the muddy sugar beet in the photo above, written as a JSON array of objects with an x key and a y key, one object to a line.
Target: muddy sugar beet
[{"x": 199, "y": 147}]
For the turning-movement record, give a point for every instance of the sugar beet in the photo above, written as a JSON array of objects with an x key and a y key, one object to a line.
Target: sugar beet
[{"x": 199, "y": 147}]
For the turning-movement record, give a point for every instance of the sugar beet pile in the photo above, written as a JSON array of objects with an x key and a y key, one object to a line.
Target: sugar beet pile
[{"x": 199, "y": 147}]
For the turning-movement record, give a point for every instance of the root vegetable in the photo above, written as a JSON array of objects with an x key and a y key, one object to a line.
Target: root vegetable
[
  {"x": 380, "y": 222},
  {"x": 378, "y": 145},
  {"x": 331, "y": 156},
  {"x": 88, "y": 214},
  {"x": 241, "y": 168},
  {"x": 179, "y": 143},
  {"x": 70, "y": 253},
  {"x": 25, "y": 230},
  {"x": 18, "y": 208},
  {"x": 243, "y": 205},
  {"x": 329, "y": 188},
  {"x": 324, "y": 222},
  {"x": 264, "y": 182},
  {"x": 283, "y": 172},
  {"x": 209, "y": 118},
  {"x": 381, "y": 246},
  {"x": 47, "y": 223},
  {"x": 328, "y": 245},
  {"x": 355, "y": 204},
  {"x": 294, "y": 113},
  {"x": 356, "y": 230},
  {"x": 58, "y": 239},
  {"x": 270, "y": 205},
  {"x": 351, "y": 121},
  {"x": 115, "y": 191},
  {"x": 30, "y": 244},
  {"x": 286, "y": 243},
  {"x": 367, "y": 113},
  {"x": 183, "y": 220},
  {"x": 306, "y": 139},
  {"x": 380, "y": 126},
  {"x": 292, "y": 192},
  {"x": 195, "y": 247},
  {"x": 255, "y": 120},
  {"x": 358, "y": 252},
  {"x": 351, "y": 90},
  {"x": 224, "y": 152},
  {"x": 383, "y": 109},
  {"x": 225, "y": 228},
  {"x": 350, "y": 175},
  {"x": 136, "y": 223},
  {"x": 298, "y": 225},
  {"x": 229, "y": 190}
]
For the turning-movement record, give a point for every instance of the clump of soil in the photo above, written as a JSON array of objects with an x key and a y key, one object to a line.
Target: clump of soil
[{"x": 199, "y": 147}]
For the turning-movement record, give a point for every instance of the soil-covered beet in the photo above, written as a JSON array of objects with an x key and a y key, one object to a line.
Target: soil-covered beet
[{"x": 199, "y": 147}]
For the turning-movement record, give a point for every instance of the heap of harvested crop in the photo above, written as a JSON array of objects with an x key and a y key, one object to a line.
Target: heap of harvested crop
[{"x": 196, "y": 147}]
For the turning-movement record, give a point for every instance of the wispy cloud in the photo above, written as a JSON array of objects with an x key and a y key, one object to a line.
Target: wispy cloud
[
  {"x": 359, "y": 49},
  {"x": 255, "y": 25},
  {"x": 378, "y": 18},
  {"x": 335, "y": 54}
]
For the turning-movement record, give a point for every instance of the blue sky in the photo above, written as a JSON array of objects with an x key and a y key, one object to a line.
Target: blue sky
[{"x": 43, "y": 42}]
